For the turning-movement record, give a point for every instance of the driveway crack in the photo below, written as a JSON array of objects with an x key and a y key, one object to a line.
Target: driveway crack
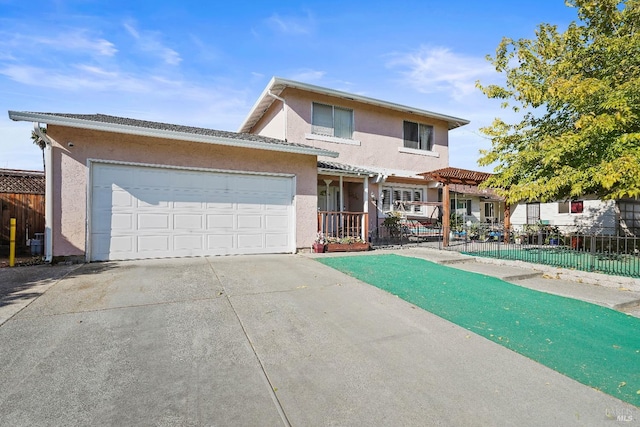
[{"x": 265, "y": 376}]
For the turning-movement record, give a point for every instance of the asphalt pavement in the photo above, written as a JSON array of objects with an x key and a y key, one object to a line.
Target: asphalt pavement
[{"x": 262, "y": 340}]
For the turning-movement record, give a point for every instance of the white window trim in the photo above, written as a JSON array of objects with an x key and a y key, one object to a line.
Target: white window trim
[
  {"x": 335, "y": 140},
  {"x": 393, "y": 206},
  {"x": 571, "y": 213},
  {"x": 418, "y": 152},
  {"x": 333, "y": 108}
]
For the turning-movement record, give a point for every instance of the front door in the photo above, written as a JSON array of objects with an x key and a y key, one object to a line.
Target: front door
[{"x": 328, "y": 199}]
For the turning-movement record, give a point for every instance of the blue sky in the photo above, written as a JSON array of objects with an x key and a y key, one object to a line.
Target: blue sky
[{"x": 205, "y": 63}]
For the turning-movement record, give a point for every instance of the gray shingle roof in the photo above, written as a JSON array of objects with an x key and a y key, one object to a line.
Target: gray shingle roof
[
  {"x": 104, "y": 118},
  {"x": 125, "y": 125},
  {"x": 20, "y": 181},
  {"x": 340, "y": 167}
]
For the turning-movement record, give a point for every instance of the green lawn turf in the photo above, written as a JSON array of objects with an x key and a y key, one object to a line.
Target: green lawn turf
[
  {"x": 612, "y": 264},
  {"x": 594, "y": 345}
]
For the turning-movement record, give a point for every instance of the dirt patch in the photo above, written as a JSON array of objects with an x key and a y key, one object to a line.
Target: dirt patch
[{"x": 22, "y": 261}]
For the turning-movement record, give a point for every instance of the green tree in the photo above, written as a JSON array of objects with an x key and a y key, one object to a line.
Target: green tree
[
  {"x": 578, "y": 93},
  {"x": 39, "y": 142}
]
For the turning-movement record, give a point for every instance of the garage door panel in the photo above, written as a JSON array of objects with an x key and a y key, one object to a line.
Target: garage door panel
[
  {"x": 120, "y": 198},
  {"x": 274, "y": 185},
  {"x": 151, "y": 198},
  {"x": 117, "y": 175},
  {"x": 191, "y": 242},
  {"x": 249, "y": 222},
  {"x": 147, "y": 212},
  {"x": 276, "y": 240},
  {"x": 188, "y": 201},
  {"x": 220, "y": 221},
  {"x": 122, "y": 244},
  {"x": 249, "y": 201},
  {"x": 247, "y": 241},
  {"x": 151, "y": 177},
  {"x": 247, "y": 184},
  {"x": 220, "y": 241},
  {"x": 188, "y": 222},
  {"x": 153, "y": 243},
  {"x": 220, "y": 200},
  {"x": 121, "y": 221},
  {"x": 149, "y": 221},
  {"x": 277, "y": 204},
  {"x": 274, "y": 222}
]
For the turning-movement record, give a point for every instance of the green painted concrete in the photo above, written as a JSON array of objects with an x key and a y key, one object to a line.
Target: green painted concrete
[{"x": 594, "y": 345}]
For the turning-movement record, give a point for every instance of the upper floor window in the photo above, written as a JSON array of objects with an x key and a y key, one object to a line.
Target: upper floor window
[
  {"x": 331, "y": 121},
  {"x": 418, "y": 136}
]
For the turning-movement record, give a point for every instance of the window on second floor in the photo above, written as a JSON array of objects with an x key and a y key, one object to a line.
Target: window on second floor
[
  {"x": 331, "y": 121},
  {"x": 418, "y": 136}
]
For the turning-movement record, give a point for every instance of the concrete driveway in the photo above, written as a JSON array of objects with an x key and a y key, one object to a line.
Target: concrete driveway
[{"x": 265, "y": 341}]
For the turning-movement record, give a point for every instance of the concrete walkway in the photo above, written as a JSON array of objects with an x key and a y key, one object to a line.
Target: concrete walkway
[{"x": 263, "y": 340}]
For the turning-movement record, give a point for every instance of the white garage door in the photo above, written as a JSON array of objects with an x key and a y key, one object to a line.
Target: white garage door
[{"x": 146, "y": 212}]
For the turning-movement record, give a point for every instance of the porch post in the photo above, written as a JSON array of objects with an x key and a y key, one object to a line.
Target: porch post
[
  {"x": 341, "y": 195},
  {"x": 365, "y": 209},
  {"x": 446, "y": 207}
]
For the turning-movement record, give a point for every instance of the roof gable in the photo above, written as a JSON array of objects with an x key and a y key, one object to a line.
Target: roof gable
[{"x": 277, "y": 85}]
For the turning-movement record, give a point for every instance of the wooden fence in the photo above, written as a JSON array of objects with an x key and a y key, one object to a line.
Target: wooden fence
[{"x": 28, "y": 210}]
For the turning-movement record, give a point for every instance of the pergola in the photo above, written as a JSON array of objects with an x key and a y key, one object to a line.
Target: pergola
[{"x": 448, "y": 176}]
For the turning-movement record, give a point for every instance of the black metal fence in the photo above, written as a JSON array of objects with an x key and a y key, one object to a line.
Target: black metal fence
[{"x": 595, "y": 249}]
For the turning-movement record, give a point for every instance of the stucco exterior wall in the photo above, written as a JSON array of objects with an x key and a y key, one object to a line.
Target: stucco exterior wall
[
  {"x": 379, "y": 130},
  {"x": 272, "y": 123},
  {"x": 70, "y": 174}
]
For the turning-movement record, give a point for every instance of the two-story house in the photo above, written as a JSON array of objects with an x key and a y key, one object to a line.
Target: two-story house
[
  {"x": 382, "y": 146},
  {"x": 122, "y": 188}
]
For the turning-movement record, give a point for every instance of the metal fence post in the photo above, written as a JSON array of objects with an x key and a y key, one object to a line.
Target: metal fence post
[{"x": 12, "y": 242}]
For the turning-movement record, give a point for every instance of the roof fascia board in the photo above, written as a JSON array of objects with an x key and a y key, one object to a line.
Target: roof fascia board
[
  {"x": 325, "y": 171},
  {"x": 264, "y": 95},
  {"x": 166, "y": 134},
  {"x": 453, "y": 122}
]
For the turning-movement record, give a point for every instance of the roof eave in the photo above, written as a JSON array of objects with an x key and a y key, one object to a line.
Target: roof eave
[
  {"x": 165, "y": 134},
  {"x": 256, "y": 112}
]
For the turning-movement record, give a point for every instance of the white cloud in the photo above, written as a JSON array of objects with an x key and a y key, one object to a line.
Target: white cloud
[
  {"x": 74, "y": 40},
  {"x": 149, "y": 41},
  {"x": 438, "y": 69},
  {"x": 291, "y": 24}
]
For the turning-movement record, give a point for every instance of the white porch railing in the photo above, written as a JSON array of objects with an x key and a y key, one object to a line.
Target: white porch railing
[{"x": 344, "y": 224}]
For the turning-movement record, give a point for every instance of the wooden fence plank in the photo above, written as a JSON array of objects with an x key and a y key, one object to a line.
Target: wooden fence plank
[{"x": 28, "y": 210}]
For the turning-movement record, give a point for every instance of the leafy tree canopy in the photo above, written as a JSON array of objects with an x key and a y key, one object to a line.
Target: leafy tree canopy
[{"x": 579, "y": 95}]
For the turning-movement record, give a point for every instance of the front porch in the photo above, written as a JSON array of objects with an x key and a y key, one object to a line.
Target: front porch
[{"x": 344, "y": 202}]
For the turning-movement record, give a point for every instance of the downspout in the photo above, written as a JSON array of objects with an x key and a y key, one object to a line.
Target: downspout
[
  {"x": 284, "y": 109},
  {"x": 48, "y": 193}
]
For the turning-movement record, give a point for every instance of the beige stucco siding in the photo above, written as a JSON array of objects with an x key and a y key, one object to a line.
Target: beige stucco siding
[
  {"x": 70, "y": 174},
  {"x": 272, "y": 123},
  {"x": 379, "y": 131}
]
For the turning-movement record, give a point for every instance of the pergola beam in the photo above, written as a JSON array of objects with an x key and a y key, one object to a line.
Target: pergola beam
[{"x": 448, "y": 176}]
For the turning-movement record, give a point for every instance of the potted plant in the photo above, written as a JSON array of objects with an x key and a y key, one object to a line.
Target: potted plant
[
  {"x": 319, "y": 245},
  {"x": 346, "y": 244},
  {"x": 392, "y": 223}
]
